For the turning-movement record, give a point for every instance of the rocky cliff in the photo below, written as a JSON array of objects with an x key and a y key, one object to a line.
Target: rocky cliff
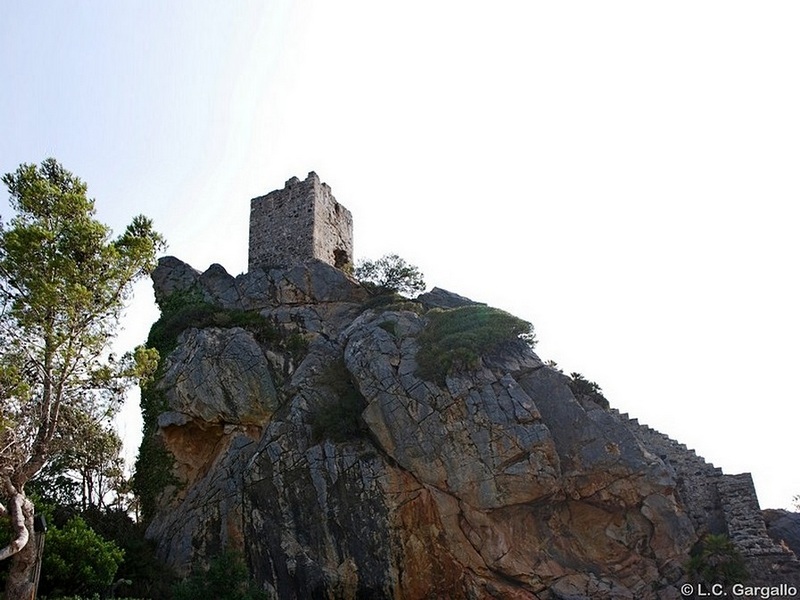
[{"x": 299, "y": 428}]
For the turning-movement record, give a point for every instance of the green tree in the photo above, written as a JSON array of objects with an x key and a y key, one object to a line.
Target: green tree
[
  {"x": 63, "y": 284},
  {"x": 77, "y": 560},
  {"x": 88, "y": 472},
  {"x": 391, "y": 273}
]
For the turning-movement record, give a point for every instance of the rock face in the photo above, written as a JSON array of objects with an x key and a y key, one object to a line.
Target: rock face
[
  {"x": 219, "y": 376},
  {"x": 498, "y": 483},
  {"x": 439, "y": 298},
  {"x": 784, "y": 528}
]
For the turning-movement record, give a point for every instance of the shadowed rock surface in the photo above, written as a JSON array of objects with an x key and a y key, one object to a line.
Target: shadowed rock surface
[{"x": 784, "y": 527}]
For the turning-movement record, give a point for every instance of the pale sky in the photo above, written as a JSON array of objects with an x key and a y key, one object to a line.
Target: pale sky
[{"x": 622, "y": 174}]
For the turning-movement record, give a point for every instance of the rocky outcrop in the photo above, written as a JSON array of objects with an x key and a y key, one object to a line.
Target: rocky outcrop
[
  {"x": 439, "y": 298},
  {"x": 219, "y": 376},
  {"x": 784, "y": 528},
  {"x": 341, "y": 473},
  {"x": 311, "y": 283}
]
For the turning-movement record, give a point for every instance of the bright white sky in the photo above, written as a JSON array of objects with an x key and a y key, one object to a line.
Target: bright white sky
[{"x": 622, "y": 174}]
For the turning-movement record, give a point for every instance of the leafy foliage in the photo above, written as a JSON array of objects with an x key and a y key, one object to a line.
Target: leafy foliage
[
  {"x": 226, "y": 578},
  {"x": 296, "y": 345},
  {"x": 456, "y": 338},
  {"x": 154, "y": 463},
  {"x": 78, "y": 560},
  {"x": 582, "y": 387},
  {"x": 391, "y": 273},
  {"x": 140, "y": 574},
  {"x": 387, "y": 300},
  {"x": 92, "y": 597},
  {"x": 88, "y": 472},
  {"x": 389, "y": 327},
  {"x": 716, "y": 560}
]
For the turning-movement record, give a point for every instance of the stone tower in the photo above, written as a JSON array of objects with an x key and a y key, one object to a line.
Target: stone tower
[{"x": 301, "y": 221}]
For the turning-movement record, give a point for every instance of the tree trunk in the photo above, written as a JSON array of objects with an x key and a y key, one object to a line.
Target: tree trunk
[{"x": 19, "y": 585}]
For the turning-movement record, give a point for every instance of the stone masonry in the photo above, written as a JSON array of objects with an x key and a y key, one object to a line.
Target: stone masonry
[
  {"x": 716, "y": 502},
  {"x": 299, "y": 222}
]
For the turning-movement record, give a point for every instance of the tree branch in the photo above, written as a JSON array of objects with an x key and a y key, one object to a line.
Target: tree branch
[{"x": 19, "y": 508}]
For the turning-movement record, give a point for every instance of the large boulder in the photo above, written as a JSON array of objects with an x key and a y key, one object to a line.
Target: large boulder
[
  {"x": 172, "y": 276},
  {"x": 219, "y": 376},
  {"x": 441, "y": 298}
]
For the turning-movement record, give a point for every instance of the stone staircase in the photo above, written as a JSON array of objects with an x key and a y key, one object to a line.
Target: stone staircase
[
  {"x": 716, "y": 503},
  {"x": 697, "y": 478}
]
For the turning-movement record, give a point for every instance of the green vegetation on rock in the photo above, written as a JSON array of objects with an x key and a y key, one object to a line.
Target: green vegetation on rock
[
  {"x": 458, "y": 337},
  {"x": 179, "y": 312},
  {"x": 580, "y": 386},
  {"x": 384, "y": 301},
  {"x": 340, "y": 420},
  {"x": 716, "y": 560},
  {"x": 183, "y": 310},
  {"x": 226, "y": 578}
]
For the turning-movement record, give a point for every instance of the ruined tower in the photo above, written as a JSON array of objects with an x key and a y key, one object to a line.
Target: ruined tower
[{"x": 301, "y": 221}]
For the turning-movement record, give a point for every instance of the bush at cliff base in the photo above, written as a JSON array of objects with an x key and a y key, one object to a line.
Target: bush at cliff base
[{"x": 77, "y": 560}]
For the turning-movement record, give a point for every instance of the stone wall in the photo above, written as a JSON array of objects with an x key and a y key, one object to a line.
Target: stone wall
[
  {"x": 301, "y": 221},
  {"x": 697, "y": 478},
  {"x": 282, "y": 225},
  {"x": 716, "y": 503},
  {"x": 746, "y": 525},
  {"x": 333, "y": 228}
]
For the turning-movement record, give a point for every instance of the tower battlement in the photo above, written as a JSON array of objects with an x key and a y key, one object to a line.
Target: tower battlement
[{"x": 301, "y": 221}]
